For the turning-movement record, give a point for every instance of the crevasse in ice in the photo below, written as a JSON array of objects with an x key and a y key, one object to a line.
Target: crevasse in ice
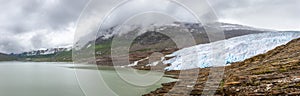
[{"x": 224, "y": 52}]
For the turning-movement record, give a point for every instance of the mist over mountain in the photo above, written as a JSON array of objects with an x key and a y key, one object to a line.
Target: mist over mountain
[
  {"x": 150, "y": 38},
  {"x": 196, "y": 29}
]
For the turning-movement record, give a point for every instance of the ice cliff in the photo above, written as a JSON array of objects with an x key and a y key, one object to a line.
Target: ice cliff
[{"x": 227, "y": 51}]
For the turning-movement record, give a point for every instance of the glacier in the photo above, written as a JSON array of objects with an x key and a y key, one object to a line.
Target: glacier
[{"x": 227, "y": 51}]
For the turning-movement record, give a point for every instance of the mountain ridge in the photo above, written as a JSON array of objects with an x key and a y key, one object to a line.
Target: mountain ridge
[{"x": 153, "y": 39}]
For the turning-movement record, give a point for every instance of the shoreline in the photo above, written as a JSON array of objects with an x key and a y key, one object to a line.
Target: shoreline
[{"x": 276, "y": 72}]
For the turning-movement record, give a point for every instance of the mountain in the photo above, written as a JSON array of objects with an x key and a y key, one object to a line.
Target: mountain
[
  {"x": 151, "y": 38},
  {"x": 6, "y": 57},
  {"x": 275, "y": 72},
  {"x": 153, "y": 33},
  {"x": 49, "y": 51},
  {"x": 232, "y": 50},
  {"x": 196, "y": 29},
  {"x": 230, "y": 30},
  {"x": 60, "y": 54}
]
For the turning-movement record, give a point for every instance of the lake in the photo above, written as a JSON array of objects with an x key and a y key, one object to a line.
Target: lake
[{"x": 60, "y": 79}]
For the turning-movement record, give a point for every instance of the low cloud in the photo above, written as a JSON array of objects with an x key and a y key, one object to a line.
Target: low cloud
[
  {"x": 271, "y": 14},
  {"x": 33, "y": 24}
]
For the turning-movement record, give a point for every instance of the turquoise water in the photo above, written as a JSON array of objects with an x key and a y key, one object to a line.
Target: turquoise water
[{"x": 60, "y": 79}]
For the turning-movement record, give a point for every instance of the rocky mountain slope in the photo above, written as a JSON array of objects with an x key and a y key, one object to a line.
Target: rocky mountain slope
[
  {"x": 45, "y": 51},
  {"x": 153, "y": 34},
  {"x": 276, "y": 72},
  {"x": 60, "y": 54},
  {"x": 151, "y": 40},
  {"x": 231, "y": 30}
]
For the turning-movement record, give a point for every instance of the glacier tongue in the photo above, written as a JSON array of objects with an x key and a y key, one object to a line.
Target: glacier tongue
[{"x": 227, "y": 51}]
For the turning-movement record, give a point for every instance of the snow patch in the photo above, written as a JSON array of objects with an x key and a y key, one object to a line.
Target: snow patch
[{"x": 136, "y": 62}]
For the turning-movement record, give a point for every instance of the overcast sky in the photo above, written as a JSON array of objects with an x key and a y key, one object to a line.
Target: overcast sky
[{"x": 34, "y": 24}]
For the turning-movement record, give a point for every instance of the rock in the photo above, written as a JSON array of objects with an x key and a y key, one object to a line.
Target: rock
[
  {"x": 233, "y": 83},
  {"x": 269, "y": 86},
  {"x": 296, "y": 79},
  {"x": 294, "y": 93}
]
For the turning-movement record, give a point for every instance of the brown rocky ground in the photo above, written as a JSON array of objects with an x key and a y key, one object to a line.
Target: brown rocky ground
[
  {"x": 276, "y": 72},
  {"x": 136, "y": 56}
]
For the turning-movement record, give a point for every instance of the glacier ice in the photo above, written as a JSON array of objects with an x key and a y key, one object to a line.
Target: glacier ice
[{"x": 227, "y": 51}]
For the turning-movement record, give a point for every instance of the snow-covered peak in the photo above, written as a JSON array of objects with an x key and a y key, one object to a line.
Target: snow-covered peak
[
  {"x": 228, "y": 26},
  {"x": 47, "y": 51},
  {"x": 124, "y": 29},
  {"x": 224, "y": 26},
  {"x": 228, "y": 51}
]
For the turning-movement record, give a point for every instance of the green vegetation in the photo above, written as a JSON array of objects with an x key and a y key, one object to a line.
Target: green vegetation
[{"x": 103, "y": 48}]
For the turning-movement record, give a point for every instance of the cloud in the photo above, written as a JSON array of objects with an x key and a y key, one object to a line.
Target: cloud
[
  {"x": 33, "y": 24},
  {"x": 272, "y": 14},
  {"x": 113, "y": 15},
  {"x": 23, "y": 16}
]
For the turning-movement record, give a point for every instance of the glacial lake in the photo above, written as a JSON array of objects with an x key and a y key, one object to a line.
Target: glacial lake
[{"x": 60, "y": 79}]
